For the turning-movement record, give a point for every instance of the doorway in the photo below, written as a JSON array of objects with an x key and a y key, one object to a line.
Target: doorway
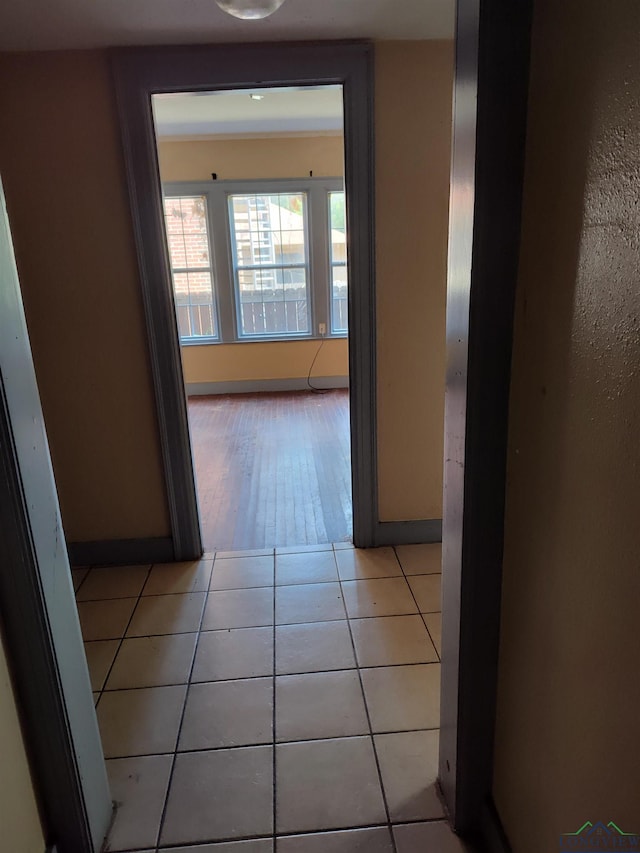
[
  {"x": 251, "y": 69},
  {"x": 255, "y": 219}
]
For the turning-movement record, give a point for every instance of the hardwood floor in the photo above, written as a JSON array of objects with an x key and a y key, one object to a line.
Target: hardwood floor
[{"x": 272, "y": 469}]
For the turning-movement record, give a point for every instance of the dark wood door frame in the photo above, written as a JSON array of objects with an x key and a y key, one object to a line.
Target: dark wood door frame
[
  {"x": 141, "y": 72},
  {"x": 490, "y": 110}
]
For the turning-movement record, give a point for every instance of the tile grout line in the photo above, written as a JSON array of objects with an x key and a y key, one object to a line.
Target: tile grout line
[
  {"x": 267, "y": 743},
  {"x": 366, "y": 710},
  {"x": 258, "y": 677},
  {"x": 301, "y": 833},
  {"x": 422, "y": 615},
  {"x": 184, "y": 708},
  {"x": 76, "y": 591},
  {"x": 120, "y": 640},
  {"x": 263, "y": 586},
  {"x": 273, "y": 716}
]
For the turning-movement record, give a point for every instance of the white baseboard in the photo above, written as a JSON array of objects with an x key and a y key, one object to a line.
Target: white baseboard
[{"x": 251, "y": 386}]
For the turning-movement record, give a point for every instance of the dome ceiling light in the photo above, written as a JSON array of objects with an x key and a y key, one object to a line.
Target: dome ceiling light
[{"x": 250, "y": 10}]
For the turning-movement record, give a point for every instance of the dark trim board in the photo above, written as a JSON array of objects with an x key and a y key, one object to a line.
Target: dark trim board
[
  {"x": 408, "y": 532},
  {"x": 491, "y": 836},
  {"x": 138, "y": 74},
  {"x": 490, "y": 114},
  {"x": 121, "y": 552},
  {"x": 259, "y": 386}
]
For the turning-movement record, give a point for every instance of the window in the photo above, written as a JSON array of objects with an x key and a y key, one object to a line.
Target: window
[
  {"x": 270, "y": 263},
  {"x": 338, "y": 253},
  {"x": 279, "y": 265},
  {"x": 190, "y": 258}
]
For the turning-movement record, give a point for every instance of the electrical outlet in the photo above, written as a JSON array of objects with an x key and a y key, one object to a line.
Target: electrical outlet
[{"x": 322, "y": 329}]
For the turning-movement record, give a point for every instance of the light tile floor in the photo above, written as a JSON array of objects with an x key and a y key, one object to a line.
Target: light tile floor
[{"x": 267, "y": 702}]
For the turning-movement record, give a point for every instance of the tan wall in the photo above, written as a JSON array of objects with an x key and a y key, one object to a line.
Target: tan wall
[
  {"x": 237, "y": 159},
  {"x": 277, "y": 360},
  {"x": 60, "y": 159},
  {"x": 568, "y": 729},
  {"x": 19, "y": 818},
  {"x": 413, "y": 143},
  {"x": 64, "y": 178}
]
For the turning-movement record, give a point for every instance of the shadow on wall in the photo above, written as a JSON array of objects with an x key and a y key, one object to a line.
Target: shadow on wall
[{"x": 572, "y": 534}]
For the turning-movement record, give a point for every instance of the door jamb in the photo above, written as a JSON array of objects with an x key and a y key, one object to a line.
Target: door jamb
[{"x": 487, "y": 175}]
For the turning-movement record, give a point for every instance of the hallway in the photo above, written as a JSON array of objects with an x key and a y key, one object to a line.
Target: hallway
[{"x": 287, "y": 700}]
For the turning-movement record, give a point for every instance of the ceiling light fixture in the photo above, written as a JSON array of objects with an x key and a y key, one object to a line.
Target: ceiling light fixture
[{"x": 250, "y": 10}]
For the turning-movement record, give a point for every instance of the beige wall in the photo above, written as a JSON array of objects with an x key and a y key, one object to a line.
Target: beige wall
[
  {"x": 277, "y": 360},
  {"x": 19, "y": 818},
  {"x": 413, "y": 142},
  {"x": 568, "y": 729},
  {"x": 61, "y": 163},
  {"x": 237, "y": 159},
  {"x": 234, "y": 159}
]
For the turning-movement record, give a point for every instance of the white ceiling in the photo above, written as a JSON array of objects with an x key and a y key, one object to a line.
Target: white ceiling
[
  {"x": 234, "y": 113},
  {"x": 59, "y": 24}
]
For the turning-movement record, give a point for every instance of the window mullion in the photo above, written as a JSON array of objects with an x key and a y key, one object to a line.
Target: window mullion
[
  {"x": 222, "y": 261},
  {"x": 319, "y": 256}
]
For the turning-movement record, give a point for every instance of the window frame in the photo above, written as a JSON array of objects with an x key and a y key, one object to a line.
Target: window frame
[
  {"x": 217, "y": 193},
  {"x": 195, "y": 339}
]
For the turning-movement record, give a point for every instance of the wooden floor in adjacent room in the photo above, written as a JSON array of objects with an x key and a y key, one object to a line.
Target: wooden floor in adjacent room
[{"x": 272, "y": 469}]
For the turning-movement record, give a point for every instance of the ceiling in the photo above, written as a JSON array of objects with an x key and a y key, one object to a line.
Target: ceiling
[
  {"x": 309, "y": 109},
  {"x": 60, "y": 24}
]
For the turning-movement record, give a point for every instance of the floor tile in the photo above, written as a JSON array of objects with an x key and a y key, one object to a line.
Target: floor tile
[
  {"x": 152, "y": 662},
  {"x": 409, "y": 770},
  {"x": 403, "y": 698},
  {"x": 390, "y": 640},
  {"x": 78, "y": 575},
  {"x": 436, "y": 836},
  {"x": 380, "y": 597},
  {"x": 113, "y": 582},
  {"x": 140, "y": 722},
  {"x": 303, "y": 549},
  {"x": 319, "y": 602},
  {"x": 238, "y": 608},
  {"x": 172, "y": 578},
  {"x": 138, "y": 786},
  {"x": 320, "y": 705},
  {"x": 342, "y": 546},
  {"x": 228, "y": 713},
  {"x": 239, "y": 653},
  {"x": 242, "y": 572},
  {"x": 220, "y": 795},
  {"x": 167, "y": 614},
  {"x": 100, "y": 655},
  {"x": 434, "y": 624},
  {"x": 105, "y": 620},
  {"x": 313, "y": 647},
  {"x": 315, "y": 567},
  {"x": 327, "y": 784},
  {"x": 420, "y": 559},
  {"x": 357, "y": 563},
  {"x": 258, "y": 845},
  {"x": 376, "y": 840},
  {"x": 427, "y": 590}
]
